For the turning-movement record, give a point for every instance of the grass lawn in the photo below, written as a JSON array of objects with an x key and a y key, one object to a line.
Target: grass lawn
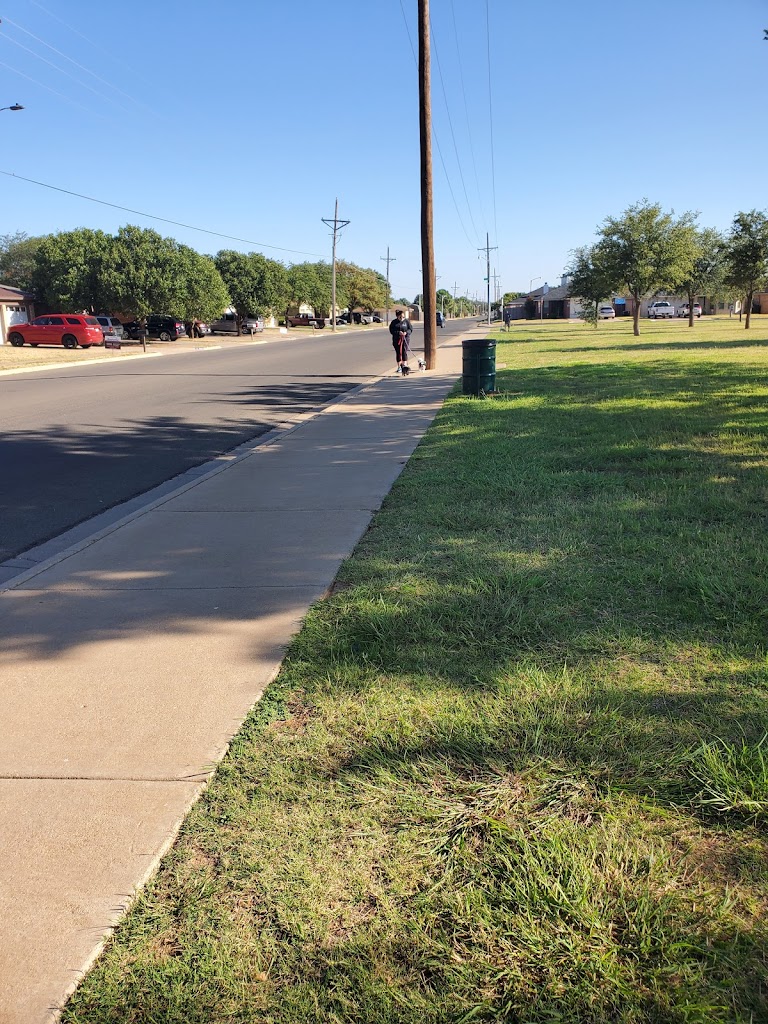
[{"x": 514, "y": 769}]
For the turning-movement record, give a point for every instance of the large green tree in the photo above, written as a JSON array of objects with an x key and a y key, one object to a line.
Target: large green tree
[
  {"x": 704, "y": 271},
  {"x": 206, "y": 294},
  {"x": 746, "y": 256},
  {"x": 363, "y": 287},
  {"x": 258, "y": 285},
  {"x": 310, "y": 284},
  {"x": 17, "y": 259},
  {"x": 143, "y": 272},
  {"x": 590, "y": 280},
  {"x": 645, "y": 250},
  {"x": 69, "y": 270}
]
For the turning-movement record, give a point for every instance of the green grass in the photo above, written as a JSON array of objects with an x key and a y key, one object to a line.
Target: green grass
[{"x": 514, "y": 769}]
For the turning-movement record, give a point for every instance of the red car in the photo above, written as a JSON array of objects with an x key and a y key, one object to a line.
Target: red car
[{"x": 67, "y": 329}]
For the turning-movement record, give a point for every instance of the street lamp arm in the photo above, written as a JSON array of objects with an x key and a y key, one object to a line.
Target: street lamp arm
[{"x": 15, "y": 106}]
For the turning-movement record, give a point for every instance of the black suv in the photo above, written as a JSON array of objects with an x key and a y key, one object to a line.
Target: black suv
[{"x": 166, "y": 328}]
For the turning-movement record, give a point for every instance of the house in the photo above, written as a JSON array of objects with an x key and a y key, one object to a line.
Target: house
[
  {"x": 16, "y": 307},
  {"x": 546, "y": 303}
]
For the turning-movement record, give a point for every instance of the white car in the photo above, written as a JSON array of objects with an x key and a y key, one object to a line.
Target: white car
[
  {"x": 661, "y": 309},
  {"x": 606, "y": 313},
  {"x": 683, "y": 310}
]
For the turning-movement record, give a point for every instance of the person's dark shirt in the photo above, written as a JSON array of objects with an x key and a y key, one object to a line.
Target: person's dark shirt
[{"x": 399, "y": 325}]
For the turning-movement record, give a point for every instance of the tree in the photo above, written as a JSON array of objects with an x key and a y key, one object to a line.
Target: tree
[
  {"x": 258, "y": 285},
  {"x": 68, "y": 273},
  {"x": 142, "y": 272},
  {"x": 206, "y": 293},
  {"x": 590, "y": 280},
  {"x": 705, "y": 270},
  {"x": 746, "y": 256},
  {"x": 310, "y": 284},
  {"x": 363, "y": 287},
  {"x": 645, "y": 250},
  {"x": 17, "y": 259}
]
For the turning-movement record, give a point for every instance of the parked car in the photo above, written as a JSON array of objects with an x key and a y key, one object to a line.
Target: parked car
[
  {"x": 684, "y": 309},
  {"x": 227, "y": 324},
  {"x": 341, "y": 320},
  {"x": 304, "y": 320},
  {"x": 661, "y": 309},
  {"x": 377, "y": 319},
  {"x": 366, "y": 318},
  {"x": 440, "y": 319},
  {"x": 131, "y": 329},
  {"x": 67, "y": 329},
  {"x": 606, "y": 313},
  {"x": 166, "y": 328},
  {"x": 112, "y": 326}
]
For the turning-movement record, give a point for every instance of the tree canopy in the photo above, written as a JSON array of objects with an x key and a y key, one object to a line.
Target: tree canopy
[
  {"x": 590, "y": 280},
  {"x": 258, "y": 285},
  {"x": 645, "y": 250},
  {"x": 746, "y": 256},
  {"x": 17, "y": 259}
]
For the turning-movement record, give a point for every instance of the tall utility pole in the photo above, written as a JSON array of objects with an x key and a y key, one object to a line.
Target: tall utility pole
[
  {"x": 495, "y": 277},
  {"x": 427, "y": 240},
  {"x": 488, "y": 249},
  {"x": 387, "y": 259},
  {"x": 337, "y": 225}
]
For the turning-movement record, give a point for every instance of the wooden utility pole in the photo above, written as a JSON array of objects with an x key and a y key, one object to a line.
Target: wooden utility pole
[
  {"x": 428, "y": 282},
  {"x": 387, "y": 259},
  {"x": 337, "y": 225}
]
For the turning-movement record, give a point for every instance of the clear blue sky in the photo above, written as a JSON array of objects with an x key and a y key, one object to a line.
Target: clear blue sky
[{"x": 249, "y": 118}]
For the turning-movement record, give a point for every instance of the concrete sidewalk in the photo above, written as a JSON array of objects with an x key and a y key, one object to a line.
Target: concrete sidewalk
[{"x": 129, "y": 661}]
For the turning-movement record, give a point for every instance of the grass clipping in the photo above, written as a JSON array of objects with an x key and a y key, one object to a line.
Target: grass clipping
[{"x": 514, "y": 770}]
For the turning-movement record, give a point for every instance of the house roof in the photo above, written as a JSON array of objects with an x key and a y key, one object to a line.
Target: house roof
[
  {"x": 560, "y": 291},
  {"x": 9, "y": 294}
]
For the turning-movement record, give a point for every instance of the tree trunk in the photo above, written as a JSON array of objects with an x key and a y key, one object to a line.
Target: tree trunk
[
  {"x": 636, "y": 316},
  {"x": 690, "y": 309},
  {"x": 749, "y": 310}
]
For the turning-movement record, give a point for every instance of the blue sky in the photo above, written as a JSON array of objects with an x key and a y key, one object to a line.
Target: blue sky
[{"x": 250, "y": 118}]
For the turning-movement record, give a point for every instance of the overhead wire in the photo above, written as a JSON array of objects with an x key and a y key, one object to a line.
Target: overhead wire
[
  {"x": 77, "y": 64},
  {"x": 435, "y": 138},
  {"x": 490, "y": 117},
  {"x": 460, "y": 66},
  {"x": 48, "y": 87},
  {"x": 165, "y": 220},
  {"x": 61, "y": 71},
  {"x": 453, "y": 134}
]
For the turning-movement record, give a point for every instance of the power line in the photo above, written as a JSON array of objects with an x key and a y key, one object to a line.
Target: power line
[
  {"x": 453, "y": 135},
  {"x": 61, "y": 71},
  {"x": 459, "y": 64},
  {"x": 82, "y": 67},
  {"x": 490, "y": 116},
  {"x": 436, "y": 140},
  {"x": 152, "y": 216},
  {"x": 48, "y": 87}
]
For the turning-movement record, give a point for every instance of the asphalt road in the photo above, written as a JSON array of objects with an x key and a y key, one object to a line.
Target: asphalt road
[{"x": 76, "y": 441}]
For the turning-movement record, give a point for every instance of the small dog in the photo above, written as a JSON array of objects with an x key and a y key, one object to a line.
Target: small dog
[
  {"x": 422, "y": 364},
  {"x": 405, "y": 369}
]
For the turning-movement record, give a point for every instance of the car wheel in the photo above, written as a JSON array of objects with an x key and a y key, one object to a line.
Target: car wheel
[
  {"x": 69, "y": 341},
  {"x": 17, "y": 340},
  {"x": 164, "y": 336}
]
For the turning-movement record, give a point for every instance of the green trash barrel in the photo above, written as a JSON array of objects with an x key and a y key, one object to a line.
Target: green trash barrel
[{"x": 478, "y": 357}]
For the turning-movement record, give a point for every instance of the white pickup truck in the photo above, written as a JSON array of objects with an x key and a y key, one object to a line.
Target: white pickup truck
[{"x": 661, "y": 309}]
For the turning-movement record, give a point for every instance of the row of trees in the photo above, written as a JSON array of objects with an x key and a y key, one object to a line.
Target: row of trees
[
  {"x": 138, "y": 272},
  {"x": 645, "y": 251}
]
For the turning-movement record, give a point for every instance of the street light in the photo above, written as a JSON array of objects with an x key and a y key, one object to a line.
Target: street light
[
  {"x": 16, "y": 106},
  {"x": 530, "y": 283}
]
